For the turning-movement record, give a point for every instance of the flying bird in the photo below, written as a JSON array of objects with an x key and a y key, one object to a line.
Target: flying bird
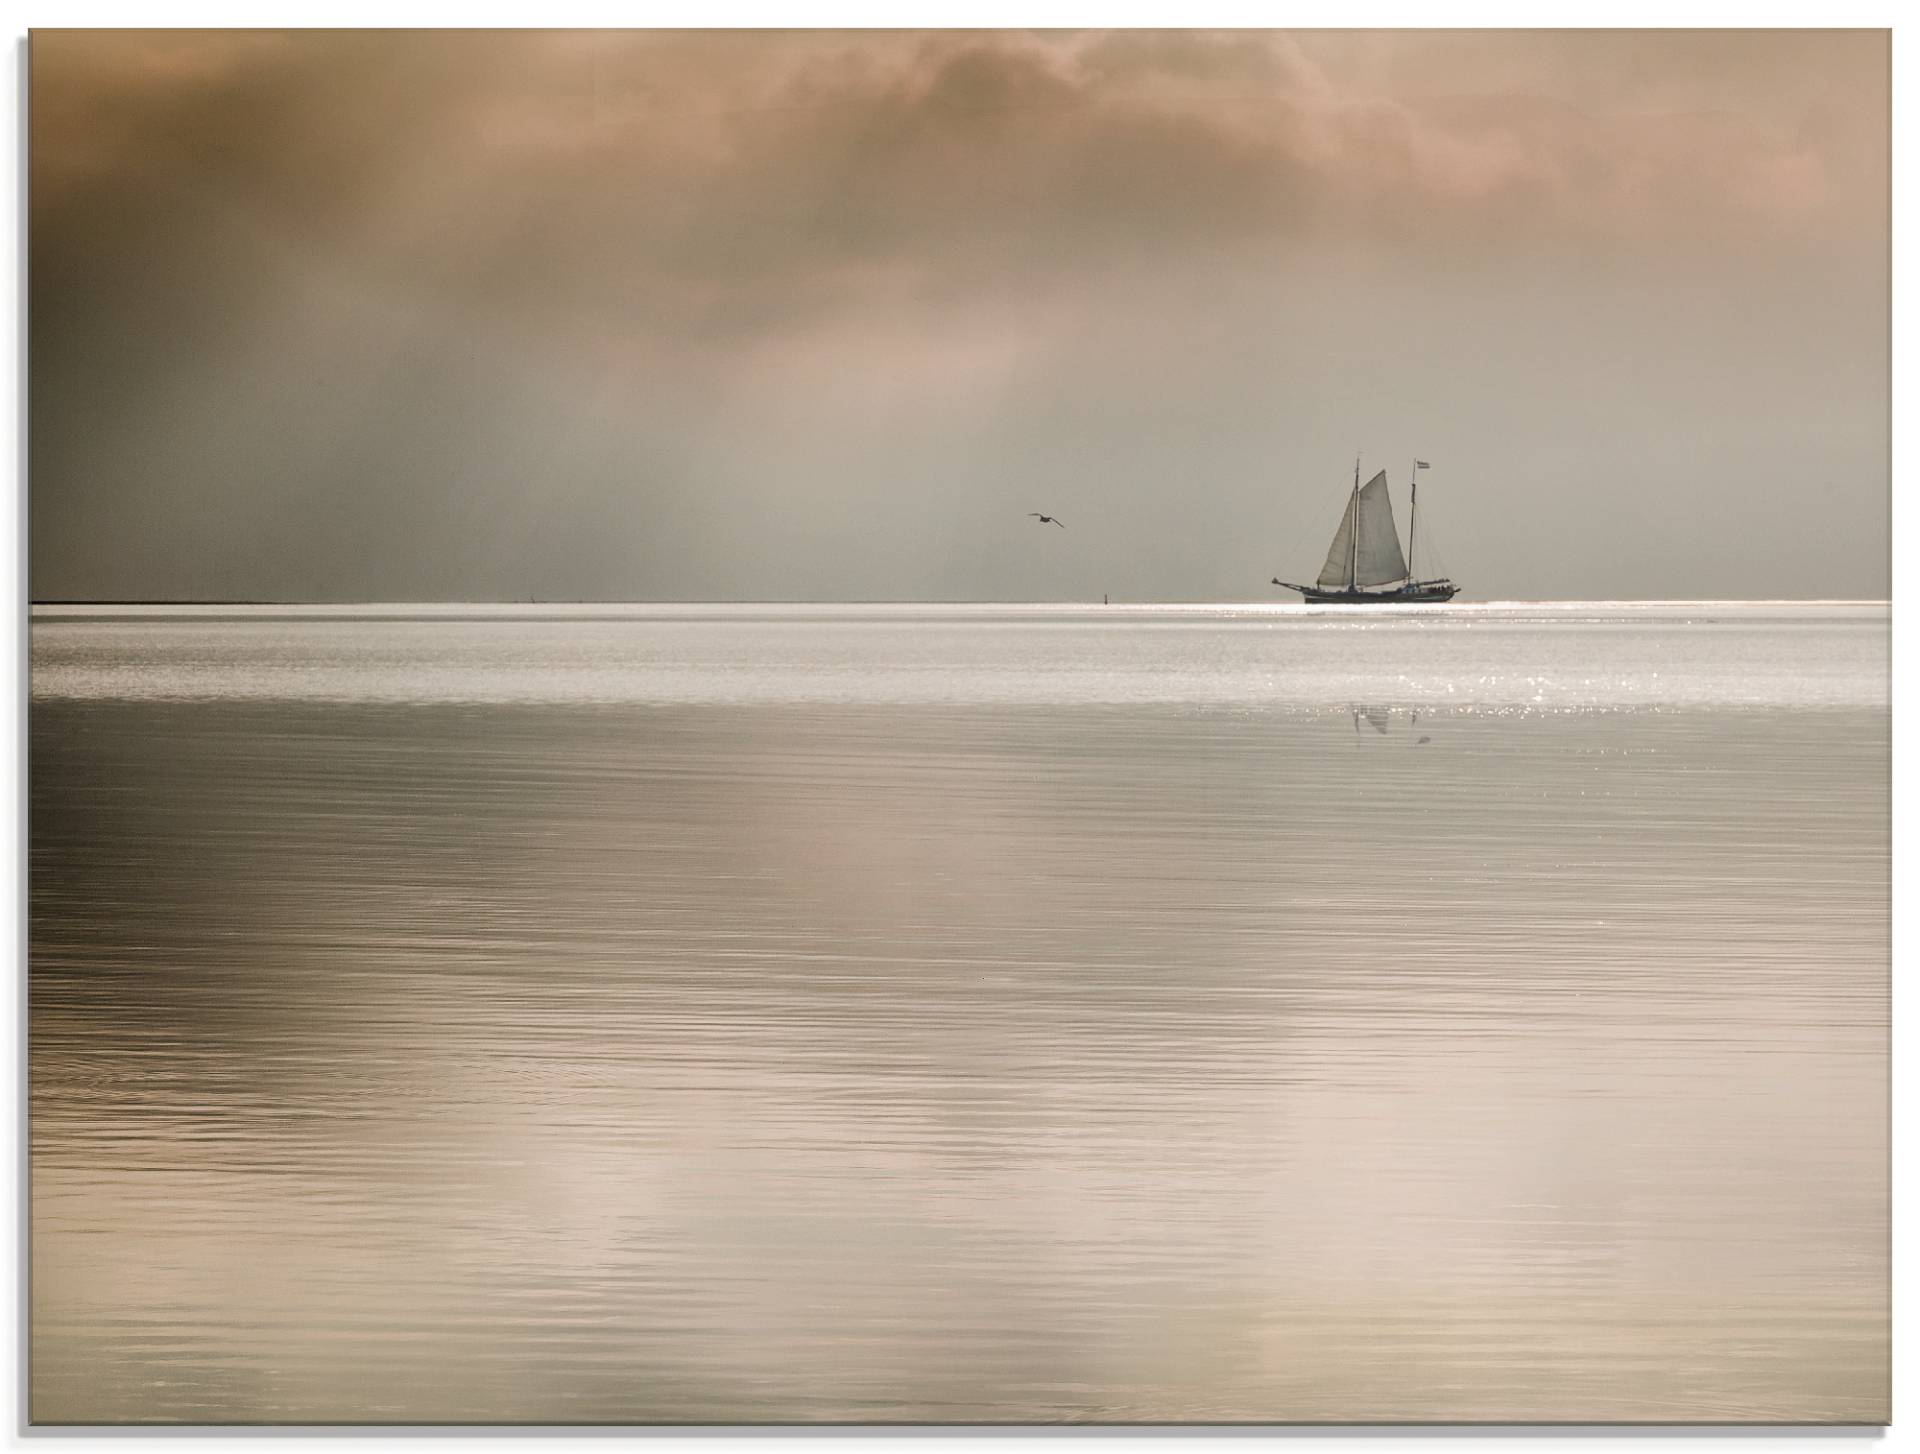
[{"x": 1045, "y": 519}]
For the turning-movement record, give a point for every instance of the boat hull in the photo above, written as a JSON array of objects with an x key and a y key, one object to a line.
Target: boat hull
[{"x": 1426, "y": 593}]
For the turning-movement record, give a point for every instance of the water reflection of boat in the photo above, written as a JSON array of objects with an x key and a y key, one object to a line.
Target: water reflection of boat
[
  {"x": 1364, "y": 564},
  {"x": 1380, "y": 718}
]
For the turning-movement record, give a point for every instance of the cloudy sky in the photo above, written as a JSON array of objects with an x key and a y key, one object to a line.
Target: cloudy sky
[{"x": 743, "y": 315}]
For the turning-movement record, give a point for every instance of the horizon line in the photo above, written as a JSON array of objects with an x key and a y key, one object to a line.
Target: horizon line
[{"x": 190, "y": 602}]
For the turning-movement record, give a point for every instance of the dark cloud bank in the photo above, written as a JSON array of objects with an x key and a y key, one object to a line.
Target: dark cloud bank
[{"x": 665, "y": 315}]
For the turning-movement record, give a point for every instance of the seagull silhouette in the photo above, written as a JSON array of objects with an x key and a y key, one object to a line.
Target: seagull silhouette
[{"x": 1045, "y": 519}]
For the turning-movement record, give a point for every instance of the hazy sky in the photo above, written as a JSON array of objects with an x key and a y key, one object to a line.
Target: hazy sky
[{"x": 682, "y": 315}]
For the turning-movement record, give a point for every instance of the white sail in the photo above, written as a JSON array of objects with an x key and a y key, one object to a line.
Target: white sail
[
  {"x": 1334, "y": 574},
  {"x": 1378, "y": 559}
]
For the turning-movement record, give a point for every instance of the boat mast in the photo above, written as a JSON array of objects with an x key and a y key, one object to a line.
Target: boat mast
[
  {"x": 1353, "y": 530},
  {"x": 1413, "y": 525}
]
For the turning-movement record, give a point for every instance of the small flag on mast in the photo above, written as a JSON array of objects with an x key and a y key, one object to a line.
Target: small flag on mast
[{"x": 1421, "y": 464}]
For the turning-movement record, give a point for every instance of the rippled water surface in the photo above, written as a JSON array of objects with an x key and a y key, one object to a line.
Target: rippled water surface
[{"x": 716, "y": 1014}]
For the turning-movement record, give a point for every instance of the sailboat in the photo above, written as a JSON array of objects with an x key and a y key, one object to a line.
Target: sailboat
[{"x": 1364, "y": 564}]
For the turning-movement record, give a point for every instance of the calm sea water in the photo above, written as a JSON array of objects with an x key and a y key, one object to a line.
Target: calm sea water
[{"x": 715, "y": 1014}]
